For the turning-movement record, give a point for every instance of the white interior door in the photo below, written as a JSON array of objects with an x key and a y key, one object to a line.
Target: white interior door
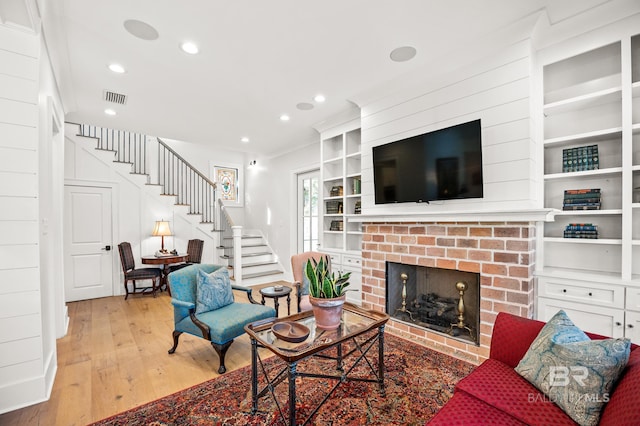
[
  {"x": 308, "y": 190},
  {"x": 88, "y": 246}
]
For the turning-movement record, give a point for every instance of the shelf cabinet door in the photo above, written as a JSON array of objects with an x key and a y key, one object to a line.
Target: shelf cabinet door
[
  {"x": 594, "y": 319},
  {"x": 632, "y": 327}
]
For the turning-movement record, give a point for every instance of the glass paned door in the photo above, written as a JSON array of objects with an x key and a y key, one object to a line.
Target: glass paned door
[{"x": 308, "y": 188}]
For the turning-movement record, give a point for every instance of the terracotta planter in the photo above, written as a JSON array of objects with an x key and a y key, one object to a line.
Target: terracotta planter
[{"x": 328, "y": 312}]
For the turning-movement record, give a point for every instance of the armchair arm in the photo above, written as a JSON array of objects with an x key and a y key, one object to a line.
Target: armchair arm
[
  {"x": 181, "y": 304},
  {"x": 247, "y": 290},
  {"x": 298, "y": 286},
  {"x": 512, "y": 336},
  {"x": 204, "y": 328}
]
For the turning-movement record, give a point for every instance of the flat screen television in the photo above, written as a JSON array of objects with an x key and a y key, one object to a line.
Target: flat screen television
[{"x": 441, "y": 165}]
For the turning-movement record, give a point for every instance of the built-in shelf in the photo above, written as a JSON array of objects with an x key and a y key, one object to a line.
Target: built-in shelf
[
  {"x": 583, "y": 137},
  {"x": 608, "y": 241},
  {"x": 608, "y": 212},
  {"x": 572, "y": 175},
  {"x": 587, "y": 100}
]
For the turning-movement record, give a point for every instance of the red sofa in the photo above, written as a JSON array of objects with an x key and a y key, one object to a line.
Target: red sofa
[{"x": 494, "y": 394}]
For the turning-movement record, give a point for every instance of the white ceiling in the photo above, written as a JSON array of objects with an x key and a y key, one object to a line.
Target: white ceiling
[{"x": 257, "y": 59}]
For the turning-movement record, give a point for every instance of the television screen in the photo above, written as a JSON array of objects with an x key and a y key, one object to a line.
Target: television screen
[{"x": 440, "y": 165}]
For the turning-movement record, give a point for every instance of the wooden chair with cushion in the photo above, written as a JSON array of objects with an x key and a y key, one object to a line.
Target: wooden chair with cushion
[
  {"x": 194, "y": 252},
  {"x": 204, "y": 306},
  {"x": 298, "y": 261},
  {"x": 133, "y": 274}
]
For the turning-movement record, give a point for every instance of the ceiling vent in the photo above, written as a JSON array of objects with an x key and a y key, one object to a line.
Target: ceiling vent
[{"x": 116, "y": 98}]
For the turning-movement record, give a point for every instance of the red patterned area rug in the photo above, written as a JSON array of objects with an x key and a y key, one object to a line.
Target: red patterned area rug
[{"x": 418, "y": 381}]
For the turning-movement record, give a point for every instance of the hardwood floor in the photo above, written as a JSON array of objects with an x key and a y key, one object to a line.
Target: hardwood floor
[{"x": 114, "y": 357}]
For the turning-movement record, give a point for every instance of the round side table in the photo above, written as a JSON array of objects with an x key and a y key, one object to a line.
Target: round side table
[{"x": 272, "y": 293}]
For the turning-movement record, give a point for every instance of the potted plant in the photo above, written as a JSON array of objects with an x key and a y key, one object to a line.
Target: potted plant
[{"x": 326, "y": 293}]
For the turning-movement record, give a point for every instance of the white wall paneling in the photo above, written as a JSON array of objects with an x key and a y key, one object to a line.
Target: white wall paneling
[{"x": 497, "y": 91}]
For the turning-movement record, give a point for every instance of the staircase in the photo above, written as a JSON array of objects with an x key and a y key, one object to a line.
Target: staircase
[{"x": 164, "y": 173}]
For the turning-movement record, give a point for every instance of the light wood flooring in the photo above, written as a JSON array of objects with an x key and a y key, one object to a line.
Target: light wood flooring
[{"x": 114, "y": 357}]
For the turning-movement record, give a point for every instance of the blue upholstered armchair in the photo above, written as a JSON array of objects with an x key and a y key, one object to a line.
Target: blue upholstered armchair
[{"x": 219, "y": 325}]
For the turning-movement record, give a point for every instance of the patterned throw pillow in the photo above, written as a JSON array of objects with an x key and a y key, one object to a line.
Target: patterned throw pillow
[
  {"x": 213, "y": 290},
  {"x": 573, "y": 371}
]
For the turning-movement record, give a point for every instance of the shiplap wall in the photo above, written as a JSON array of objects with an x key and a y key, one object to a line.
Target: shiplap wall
[
  {"x": 21, "y": 350},
  {"x": 498, "y": 91}
]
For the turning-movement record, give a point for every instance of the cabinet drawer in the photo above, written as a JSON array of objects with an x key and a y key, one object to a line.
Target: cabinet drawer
[
  {"x": 336, "y": 259},
  {"x": 354, "y": 262},
  {"x": 594, "y": 319},
  {"x": 633, "y": 299},
  {"x": 583, "y": 292}
]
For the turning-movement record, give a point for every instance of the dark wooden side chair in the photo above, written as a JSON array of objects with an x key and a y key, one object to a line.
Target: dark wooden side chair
[
  {"x": 194, "y": 250},
  {"x": 132, "y": 274},
  {"x": 298, "y": 261}
]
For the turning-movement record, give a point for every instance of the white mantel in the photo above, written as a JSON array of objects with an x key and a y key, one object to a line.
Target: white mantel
[{"x": 526, "y": 215}]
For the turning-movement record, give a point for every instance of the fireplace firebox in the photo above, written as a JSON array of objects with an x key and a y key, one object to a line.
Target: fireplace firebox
[{"x": 442, "y": 300}]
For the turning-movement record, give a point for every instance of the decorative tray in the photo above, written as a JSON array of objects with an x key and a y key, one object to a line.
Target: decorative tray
[{"x": 290, "y": 331}]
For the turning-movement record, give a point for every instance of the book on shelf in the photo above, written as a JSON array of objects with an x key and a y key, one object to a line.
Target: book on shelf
[
  {"x": 587, "y": 192},
  {"x": 358, "y": 208},
  {"x": 582, "y": 199},
  {"x": 356, "y": 186},
  {"x": 581, "y": 230},
  {"x": 336, "y": 225},
  {"x": 334, "y": 207},
  {"x": 581, "y": 227},
  {"x": 580, "y": 158},
  {"x": 585, "y": 206},
  {"x": 336, "y": 191}
]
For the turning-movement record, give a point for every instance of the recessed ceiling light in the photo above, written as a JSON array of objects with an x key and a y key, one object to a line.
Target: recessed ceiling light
[
  {"x": 189, "y": 47},
  {"x": 284, "y": 117},
  {"x": 244, "y": 139},
  {"x": 109, "y": 111},
  {"x": 319, "y": 98},
  {"x": 304, "y": 106},
  {"x": 140, "y": 29},
  {"x": 402, "y": 54},
  {"x": 117, "y": 68}
]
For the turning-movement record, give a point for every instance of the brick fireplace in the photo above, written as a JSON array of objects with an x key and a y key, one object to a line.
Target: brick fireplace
[{"x": 503, "y": 253}]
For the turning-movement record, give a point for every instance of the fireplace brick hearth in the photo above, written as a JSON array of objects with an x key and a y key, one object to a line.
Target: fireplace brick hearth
[{"x": 503, "y": 253}]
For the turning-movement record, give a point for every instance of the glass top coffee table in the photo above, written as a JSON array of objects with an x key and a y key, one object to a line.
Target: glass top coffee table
[{"x": 359, "y": 332}]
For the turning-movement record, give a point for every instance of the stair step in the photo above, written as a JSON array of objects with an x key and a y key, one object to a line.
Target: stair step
[
  {"x": 121, "y": 162},
  {"x": 100, "y": 149},
  {"x": 260, "y": 274},
  {"x": 230, "y": 256},
  {"x": 245, "y": 237},
  {"x": 249, "y": 265}
]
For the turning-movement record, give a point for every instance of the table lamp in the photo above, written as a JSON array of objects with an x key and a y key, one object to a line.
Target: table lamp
[{"x": 161, "y": 230}]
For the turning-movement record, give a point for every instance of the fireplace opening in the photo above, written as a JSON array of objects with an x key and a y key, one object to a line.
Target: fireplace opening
[{"x": 442, "y": 300}]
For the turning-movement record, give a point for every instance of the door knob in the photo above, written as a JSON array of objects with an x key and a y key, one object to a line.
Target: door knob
[{"x": 106, "y": 248}]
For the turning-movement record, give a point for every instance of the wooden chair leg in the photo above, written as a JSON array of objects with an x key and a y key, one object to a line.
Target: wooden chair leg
[
  {"x": 126, "y": 288},
  {"x": 222, "y": 351},
  {"x": 176, "y": 336}
]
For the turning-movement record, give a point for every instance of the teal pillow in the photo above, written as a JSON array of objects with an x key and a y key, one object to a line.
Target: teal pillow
[
  {"x": 213, "y": 291},
  {"x": 573, "y": 371}
]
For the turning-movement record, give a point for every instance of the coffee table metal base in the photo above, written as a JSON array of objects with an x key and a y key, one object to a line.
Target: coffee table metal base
[{"x": 290, "y": 373}]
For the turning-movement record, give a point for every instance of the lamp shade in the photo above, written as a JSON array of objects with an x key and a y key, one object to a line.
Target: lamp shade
[{"x": 161, "y": 229}]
